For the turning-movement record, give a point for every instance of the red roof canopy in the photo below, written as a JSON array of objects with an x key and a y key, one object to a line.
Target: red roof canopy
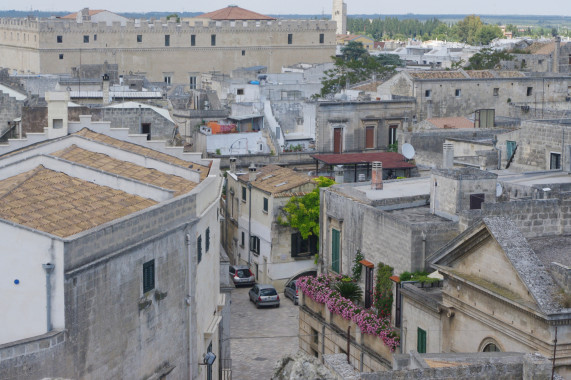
[
  {"x": 234, "y": 12},
  {"x": 390, "y": 160}
]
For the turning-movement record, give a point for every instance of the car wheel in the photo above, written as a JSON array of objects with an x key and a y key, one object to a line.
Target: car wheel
[
  {"x": 278, "y": 305},
  {"x": 295, "y": 302},
  {"x": 257, "y": 305}
]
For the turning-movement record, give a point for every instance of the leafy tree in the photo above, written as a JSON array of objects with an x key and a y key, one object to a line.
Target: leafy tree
[
  {"x": 354, "y": 51},
  {"x": 487, "y": 33},
  {"x": 487, "y": 59},
  {"x": 467, "y": 28},
  {"x": 175, "y": 16},
  {"x": 389, "y": 60},
  {"x": 302, "y": 213},
  {"x": 383, "y": 295}
]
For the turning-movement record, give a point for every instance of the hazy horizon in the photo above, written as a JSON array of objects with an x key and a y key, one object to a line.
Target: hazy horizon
[{"x": 354, "y": 7}]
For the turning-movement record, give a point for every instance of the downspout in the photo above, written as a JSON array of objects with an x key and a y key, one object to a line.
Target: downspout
[
  {"x": 249, "y": 224},
  {"x": 423, "y": 251},
  {"x": 49, "y": 268}
]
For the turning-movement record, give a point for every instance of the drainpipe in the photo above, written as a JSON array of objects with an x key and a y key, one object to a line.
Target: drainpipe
[
  {"x": 249, "y": 223},
  {"x": 49, "y": 268},
  {"x": 423, "y": 250}
]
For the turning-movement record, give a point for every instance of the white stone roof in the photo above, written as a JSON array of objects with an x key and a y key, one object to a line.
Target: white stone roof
[
  {"x": 161, "y": 111},
  {"x": 13, "y": 93}
]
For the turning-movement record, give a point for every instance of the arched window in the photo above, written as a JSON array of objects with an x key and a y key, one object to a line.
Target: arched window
[{"x": 490, "y": 345}]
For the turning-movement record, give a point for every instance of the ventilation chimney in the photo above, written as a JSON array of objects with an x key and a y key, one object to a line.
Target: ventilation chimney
[
  {"x": 233, "y": 164},
  {"x": 556, "y": 53},
  {"x": 339, "y": 173},
  {"x": 106, "y": 98},
  {"x": 377, "y": 176},
  {"x": 252, "y": 174},
  {"x": 447, "y": 156}
]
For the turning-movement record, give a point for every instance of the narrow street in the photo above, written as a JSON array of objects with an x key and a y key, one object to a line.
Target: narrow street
[{"x": 259, "y": 337}]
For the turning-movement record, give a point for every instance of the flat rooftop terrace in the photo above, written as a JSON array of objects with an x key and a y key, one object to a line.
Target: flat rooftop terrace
[
  {"x": 397, "y": 189},
  {"x": 535, "y": 178}
]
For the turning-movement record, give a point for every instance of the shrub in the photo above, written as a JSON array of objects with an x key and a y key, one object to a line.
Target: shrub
[
  {"x": 383, "y": 297},
  {"x": 350, "y": 290}
]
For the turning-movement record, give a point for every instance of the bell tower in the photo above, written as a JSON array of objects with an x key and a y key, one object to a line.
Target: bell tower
[{"x": 339, "y": 14}]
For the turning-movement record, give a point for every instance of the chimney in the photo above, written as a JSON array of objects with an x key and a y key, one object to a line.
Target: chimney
[
  {"x": 232, "y": 164},
  {"x": 556, "y": 53},
  {"x": 447, "y": 156},
  {"x": 252, "y": 174},
  {"x": 106, "y": 98},
  {"x": 57, "y": 114},
  {"x": 339, "y": 174},
  {"x": 377, "y": 176}
]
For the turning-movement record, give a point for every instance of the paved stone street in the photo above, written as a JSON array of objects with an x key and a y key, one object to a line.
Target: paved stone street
[{"x": 259, "y": 337}]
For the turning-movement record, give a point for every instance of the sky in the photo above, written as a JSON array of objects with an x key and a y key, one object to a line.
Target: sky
[{"x": 505, "y": 7}]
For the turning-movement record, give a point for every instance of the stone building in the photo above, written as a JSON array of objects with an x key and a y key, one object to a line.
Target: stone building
[
  {"x": 164, "y": 51},
  {"x": 275, "y": 253},
  {"x": 112, "y": 255},
  {"x": 358, "y": 126},
  {"x": 339, "y": 15},
  {"x": 11, "y": 104},
  {"x": 463, "y": 92}
]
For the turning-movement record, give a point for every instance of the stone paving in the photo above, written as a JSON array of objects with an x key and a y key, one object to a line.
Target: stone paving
[{"x": 259, "y": 337}]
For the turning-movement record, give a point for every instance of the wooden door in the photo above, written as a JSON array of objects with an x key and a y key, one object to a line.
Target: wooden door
[
  {"x": 370, "y": 137},
  {"x": 337, "y": 140}
]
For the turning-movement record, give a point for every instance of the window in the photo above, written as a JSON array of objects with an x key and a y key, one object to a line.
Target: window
[
  {"x": 193, "y": 40},
  {"x": 240, "y": 91},
  {"x": 289, "y": 38},
  {"x": 314, "y": 336},
  {"x": 369, "y": 137},
  {"x": 321, "y": 38},
  {"x": 167, "y": 79},
  {"x": 303, "y": 247},
  {"x": 255, "y": 244},
  {"x": 457, "y": 92},
  {"x": 207, "y": 242},
  {"x": 243, "y": 239},
  {"x": 476, "y": 201},
  {"x": 243, "y": 52},
  {"x": 199, "y": 248},
  {"x": 393, "y": 134},
  {"x": 59, "y": 39},
  {"x": 85, "y": 39},
  {"x": 139, "y": 38},
  {"x": 148, "y": 276},
  {"x": 529, "y": 91},
  {"x": 243, "y": 193},
  {"x": 193, "y": 83},
  {"x": 57, "y": 123},
  {"x": 265, "y": 205},
  {"x": 427, "y": 93},
  {"x": 421, "y": 341},
  {"x": 335, "y": 250},
  {"x": 496, "y": 91},
  {"x": 213, "y": 40},
  {"x": 555, "y": 161},
  {"x": 491, "y": 347},
  {"x": 167, "y": 40},
  {"x": 61, "y": 56},
  {"x": 146, "y": 130}
]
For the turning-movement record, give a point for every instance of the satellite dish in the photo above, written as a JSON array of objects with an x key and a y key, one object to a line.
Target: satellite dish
[
  {"x": 499, "y": 190},
  {"x": 408, "y": 151}
]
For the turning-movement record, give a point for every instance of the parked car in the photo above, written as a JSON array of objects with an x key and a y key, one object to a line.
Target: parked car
[
  {"x": 264, "y": 295},
  {"x": 242, "y": 275},
  {"x": 290, "y": 291}
]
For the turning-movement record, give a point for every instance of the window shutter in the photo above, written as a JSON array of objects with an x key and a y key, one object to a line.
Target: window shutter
[
  {"x": 335, "y": 250},
  {"x": 199, "y": 248},
  {"x": 207, "y": 243},
  {"x": 148, "y": 276},
  {"x": 295, "y": 244},
  {"x": 421, "y": 341}
]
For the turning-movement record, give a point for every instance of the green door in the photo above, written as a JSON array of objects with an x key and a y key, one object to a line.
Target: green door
[
  {"x": 421, "y": 341},
  {"x": 510, "y": 148},
  {"x": 335, "y": 250}
]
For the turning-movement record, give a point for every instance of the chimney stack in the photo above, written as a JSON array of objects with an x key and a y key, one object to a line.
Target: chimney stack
[
  {"x": 447, "y": 156},
  {"x": 377, "y": 176},
  {"x": 106, "y": 99},
  {"x": 556, "y": 53},
  {"x": 252, "y": 174},
  {"x": 233, "y": 164},
  {"x": 339, "y": 173}
]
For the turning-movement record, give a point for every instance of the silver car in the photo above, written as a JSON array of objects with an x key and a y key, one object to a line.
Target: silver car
[
  {"x": 241, "y": 275},
  {"x": 290, "y": 291},
  {"x": 264, "y": 295}
]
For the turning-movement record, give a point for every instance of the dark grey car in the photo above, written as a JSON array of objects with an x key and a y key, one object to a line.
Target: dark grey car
[
  {"x": 264, "y": 295},
  {"x": 290, "y": 291}
]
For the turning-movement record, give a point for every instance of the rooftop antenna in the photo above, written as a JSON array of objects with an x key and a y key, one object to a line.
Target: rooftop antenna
[{"x": 408, "y": 151}]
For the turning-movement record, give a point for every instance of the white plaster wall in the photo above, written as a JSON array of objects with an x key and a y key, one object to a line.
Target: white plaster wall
[
  {"x": 415, "y": 316},
  {"x": 240, "y": 143},
  {"x": 24, "y": 305}
]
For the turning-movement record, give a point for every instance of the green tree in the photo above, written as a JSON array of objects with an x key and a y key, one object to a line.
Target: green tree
[
  {"x": 354, "y": 51},
  {"x": 175, "y": 16},
  {"x": 302, "y": 213},
  {"x": 487, "y": 59},
  {"x": 487, "y": 33},
  {"x": 467, "y": 28}
]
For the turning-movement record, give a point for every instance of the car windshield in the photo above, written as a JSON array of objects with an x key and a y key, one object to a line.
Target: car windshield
[
  {"x": 268, "y": 292},
  {"x": 243, "y": 273}
]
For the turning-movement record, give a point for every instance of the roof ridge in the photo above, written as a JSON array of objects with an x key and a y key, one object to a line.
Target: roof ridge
[{"x": 26, "y": 177}]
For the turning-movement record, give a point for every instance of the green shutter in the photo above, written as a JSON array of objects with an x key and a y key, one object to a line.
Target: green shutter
[
  {"x": 199, "y": 248},
  {"x": 421, "y": 341},
  {"x": 335, "y": 250}
]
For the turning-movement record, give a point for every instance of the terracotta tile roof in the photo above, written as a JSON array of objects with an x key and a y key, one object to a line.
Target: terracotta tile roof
[
  {"x": 276, "y": 179},
  {"x": 61, "y": 205},
  {"x": 437, "y": 75},
  {"x": 87, "y": 133},
  {"x": 541, "y": 48},
  {"x": 509, "y": 74},
  {"x": 287, "y": 194},
  {"x": 234, "y": 13},
  {"x": 92, "y": 12},
  {"x": 479, "y": 74},
  {"x": 390, "y": 160},
  {"x": 451, "y": 122},
  {"x": 368, "y": 87},
  {"x": 126, "y": 169}
]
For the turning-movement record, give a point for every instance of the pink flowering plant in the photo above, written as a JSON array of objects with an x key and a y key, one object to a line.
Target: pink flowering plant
[{"x": 320, "y": 289}]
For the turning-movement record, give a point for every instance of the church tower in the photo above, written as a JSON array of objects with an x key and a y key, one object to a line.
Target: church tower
[{"x": 339, "y": 14}]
